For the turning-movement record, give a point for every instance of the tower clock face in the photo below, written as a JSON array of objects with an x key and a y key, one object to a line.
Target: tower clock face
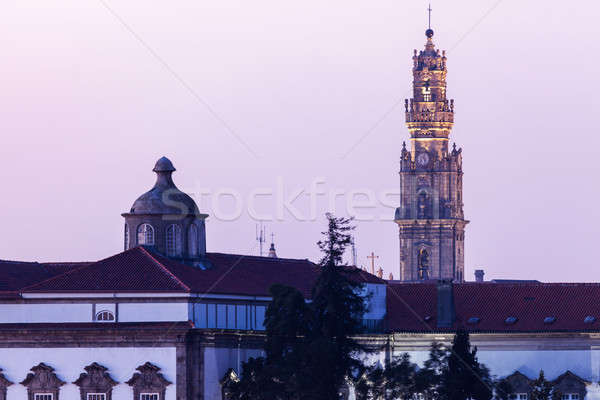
[{"x": 422, "y": 159}]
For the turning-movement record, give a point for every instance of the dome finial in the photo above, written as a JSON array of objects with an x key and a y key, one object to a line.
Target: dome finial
[{"x": 163, "y": 165}]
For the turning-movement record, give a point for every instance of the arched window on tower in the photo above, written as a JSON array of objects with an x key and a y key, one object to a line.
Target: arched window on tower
[
  {"x": 145, "y": 234},
  {"x": 193, "y": 240},
  {"x": 427, "y": 92},
  {"x": 173, "y": 240},
  {"x": 126, "y": 237},
  {"x": 423, "y": 264}
]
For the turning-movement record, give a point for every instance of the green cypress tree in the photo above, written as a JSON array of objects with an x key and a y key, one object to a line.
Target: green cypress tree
[
  {"x": 464, "y": 377},
  {"x": 542, "y": 389},
  {"x": 310, "y": 348},
  {"x": 428, "y": 379},
  {"x": 337, "y": 306}
]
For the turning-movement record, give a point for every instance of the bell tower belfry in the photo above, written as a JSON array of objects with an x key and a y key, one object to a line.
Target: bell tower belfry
[{"x": 430, "y": 217}]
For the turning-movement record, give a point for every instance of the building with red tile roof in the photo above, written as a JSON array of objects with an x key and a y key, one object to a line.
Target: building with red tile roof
[{"x": 166, "y": 319}]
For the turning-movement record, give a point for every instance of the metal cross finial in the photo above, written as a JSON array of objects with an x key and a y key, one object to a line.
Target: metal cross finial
[
  {"x": 272, "y": 237},
  {"x": 429, "y": 9},
  {"x": 372, "y": 257}
]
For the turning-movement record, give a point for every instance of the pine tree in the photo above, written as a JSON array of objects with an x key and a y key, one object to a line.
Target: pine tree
[
  {"x": 542, "y": 389},
  {"x": 428, "y": 379},
  {"x": 400, "y": 378},
  {"x": 337, "y": 307},
  {"x": 310, "y": 348},
  {"x": 464, "y": 377}
]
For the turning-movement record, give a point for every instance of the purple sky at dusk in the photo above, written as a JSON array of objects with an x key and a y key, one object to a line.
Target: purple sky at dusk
[{"x": 315, "y": 90}]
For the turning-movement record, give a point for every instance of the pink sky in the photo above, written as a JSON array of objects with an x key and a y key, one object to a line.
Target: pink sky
[{"x": 86, "y": 109}]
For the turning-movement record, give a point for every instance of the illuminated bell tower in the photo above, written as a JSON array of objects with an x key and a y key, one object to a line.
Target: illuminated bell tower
[{"x": 430, "y": 217}]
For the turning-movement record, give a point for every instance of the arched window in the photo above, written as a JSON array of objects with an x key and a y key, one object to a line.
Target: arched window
[
  {"x": 193, "y": 240},
  {"x": 126, "y": 237},
  {"x": 423, "y": 264},
  {"x": 173, "y": 240},
  {"x": 105, "y": 316},
  {"x": 145, "y": 234}
]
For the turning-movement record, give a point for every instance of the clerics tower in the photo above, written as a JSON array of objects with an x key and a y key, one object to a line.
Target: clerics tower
[{"x": 430, "y": 217}]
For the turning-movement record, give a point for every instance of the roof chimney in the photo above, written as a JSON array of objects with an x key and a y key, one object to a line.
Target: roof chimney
[
  {"x": 445, "y": 303},
  {"x": 479, "y": 273}
]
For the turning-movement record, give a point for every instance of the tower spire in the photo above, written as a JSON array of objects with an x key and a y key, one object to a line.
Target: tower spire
[
  {"x": 429, "y": 10},
  {"x": 430, "y": 217},
  {"x": 429, "y": 31}
]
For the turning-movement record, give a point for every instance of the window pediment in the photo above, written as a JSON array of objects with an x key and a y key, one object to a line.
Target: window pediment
[
  {"x": 148, "y": 381},
  {"x": 42, "y": 379},
  {"x": 4, "y": 383},
  {"x": 95, "y": 380}
]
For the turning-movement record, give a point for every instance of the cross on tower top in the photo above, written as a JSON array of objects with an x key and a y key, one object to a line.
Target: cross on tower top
[
  {"x": 373, "y": 257},
  {"x": 429, "y": 9}
]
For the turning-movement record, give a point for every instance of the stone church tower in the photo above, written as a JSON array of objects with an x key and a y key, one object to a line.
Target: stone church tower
[{"x": 430, "y": 217}]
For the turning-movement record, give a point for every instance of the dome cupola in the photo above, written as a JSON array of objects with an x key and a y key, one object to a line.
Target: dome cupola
[
  {"x": 164, "y": 198},
  {"x": 166, "y": 219}
]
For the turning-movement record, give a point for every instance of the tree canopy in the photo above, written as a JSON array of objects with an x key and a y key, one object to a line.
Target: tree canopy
[{"x": 310, "y": 347}]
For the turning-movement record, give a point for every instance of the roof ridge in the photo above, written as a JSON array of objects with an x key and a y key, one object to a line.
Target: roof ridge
[
  {"x": 18, "y": 262},
  {"x": 67, "y": 262},
  {"x": 266, "y": 258},
  {"x": 165, "y": 269},
  {"x": 73, "y": 270}
]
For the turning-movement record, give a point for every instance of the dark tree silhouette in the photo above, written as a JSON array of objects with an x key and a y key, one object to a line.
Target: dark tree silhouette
[
  {"x": 542, "y": 389},
  {"x": 464, "y": 377},
  {"x": 310, "y": 347}
]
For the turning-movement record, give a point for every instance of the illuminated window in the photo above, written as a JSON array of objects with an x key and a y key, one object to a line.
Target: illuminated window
[
  {"x": 426, "y": 92},
  {"x": 145, "y": 234},
  {"x": 105, "y": 316},
  {"x": 148, "y": 396},
  {"x": 570, "y": 396},
  {"x": 43, "y": 396},
  {"x": 173, "y": 240}
]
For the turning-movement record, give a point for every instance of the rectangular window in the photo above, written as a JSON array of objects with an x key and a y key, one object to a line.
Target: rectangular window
[
  {"x": 200, "y": 315},
  {"x": 260, "y": 318},
  {"x": 96, "y": 396},
  {"x": 148, "y": 396},
  {"x": 221, "y": 316},
  {"x": 43, "y": 396},
  {"x": 570, "y": 396},
  {"x": 241, "y": 317},
  {"x": 212, "y": 316},
  {"x": 251, "y": 319},
  {"x": 231, "y": 315}
]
